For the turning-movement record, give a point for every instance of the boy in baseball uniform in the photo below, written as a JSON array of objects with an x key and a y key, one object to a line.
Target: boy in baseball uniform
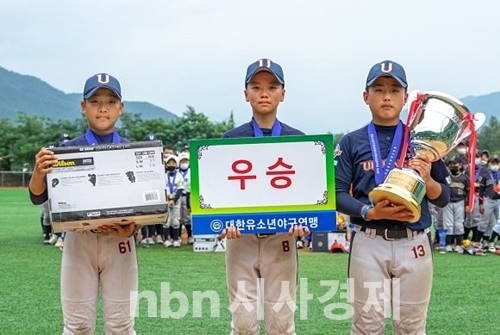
[
  {"x": 454, "y": 212},
  {"x": 489, "y": 203},
  {"x": 175, "y": 188},
  {"x": 473, "y": 217},
  {"x": 103, "y": 259},
  {"x": 270, "y": 259},
  {"x": 185, "y": 204},
  {"x": 390, "y": 260}
]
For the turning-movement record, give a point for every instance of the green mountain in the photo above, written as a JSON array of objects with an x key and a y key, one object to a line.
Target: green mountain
[
  {"x": 28, "y": 94},
  {"x": 488, "y": 104}
]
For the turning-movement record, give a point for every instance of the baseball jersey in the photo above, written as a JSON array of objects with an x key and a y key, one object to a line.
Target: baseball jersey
[
  {"x": 186, "y": 176},
  {"x": 487, "y": 184},
  {"x": 354, "y": 168},
  {"x": 246, "y": 130},
  {"x": 174, "y": 182},
  {"x": 459, "y": 187}
]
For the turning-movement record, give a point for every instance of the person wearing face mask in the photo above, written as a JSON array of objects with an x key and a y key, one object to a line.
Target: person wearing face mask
[
  {"x": 485, "y": 157},
  {"x": 490, "y": 190},
  {"x": 185, "y": 203},
  {"x": 175, "y": 188},
  {"x": 453, "y": 213},
  {"x": 473, "y": 217},
  {"x": 461, "y": 156}
]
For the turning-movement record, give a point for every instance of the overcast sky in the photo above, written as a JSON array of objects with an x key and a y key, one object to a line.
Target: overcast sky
[{"x": 174, "y": 53}]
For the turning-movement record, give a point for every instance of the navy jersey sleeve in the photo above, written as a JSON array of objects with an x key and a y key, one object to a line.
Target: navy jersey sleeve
[
  {"x": 440, "y": 174},
  {"x": 467, "y": 186},
  {"x": 344, "y": 175},
  {"x": 39, "y": 199}
]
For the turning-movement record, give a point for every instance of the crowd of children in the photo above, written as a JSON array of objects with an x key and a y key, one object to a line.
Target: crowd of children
[
  {"x": 177, "y": 180},
  {"x": 471, "y": 229}
]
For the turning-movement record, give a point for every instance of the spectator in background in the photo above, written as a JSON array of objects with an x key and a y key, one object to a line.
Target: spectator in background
[
  {"x": 473, "y": 217},
  {"x": 485, "y": 157},
  {"x": 453, "y": 213},
  {"x": 175, "y": 188},
  {"x": 437, "y": 220},
  {"x": 161, "y": 236},
  {"x": 461, "y": 157},
  {"x": 169, "y": 150},
  {"x": 185, "y": 202},
  {"x": 48, "y": 237},
  {"x": 489, "y": 189}
]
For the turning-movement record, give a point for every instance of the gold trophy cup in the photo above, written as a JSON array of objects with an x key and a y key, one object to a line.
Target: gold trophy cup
[{"x": 436, "y": 124}]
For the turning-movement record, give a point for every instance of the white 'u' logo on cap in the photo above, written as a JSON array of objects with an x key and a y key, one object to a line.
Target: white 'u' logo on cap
[
  {"x": 264, "y": 63},
  {"x": 100, "y": 80},
  {"x": 383, "y": 67}
]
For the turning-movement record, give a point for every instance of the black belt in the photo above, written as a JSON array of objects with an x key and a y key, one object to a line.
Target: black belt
[{"x": 394, "y": 234}]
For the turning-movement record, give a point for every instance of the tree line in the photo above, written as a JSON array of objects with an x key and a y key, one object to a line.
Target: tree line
[{"x": 22, "y": 138}]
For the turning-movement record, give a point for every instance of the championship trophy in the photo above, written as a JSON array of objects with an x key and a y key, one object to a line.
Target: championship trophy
[{"x": 436, "y": 124}]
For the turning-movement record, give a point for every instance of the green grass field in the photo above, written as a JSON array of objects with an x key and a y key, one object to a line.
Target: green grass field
[{"x": 465, "y": 296}]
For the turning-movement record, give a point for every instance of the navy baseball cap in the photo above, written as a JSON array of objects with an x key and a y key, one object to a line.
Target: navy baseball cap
[
  {"x": 265, "y": 64},
  {"x": 387, "y": 68},
  {"x": 101, "y": 80}
]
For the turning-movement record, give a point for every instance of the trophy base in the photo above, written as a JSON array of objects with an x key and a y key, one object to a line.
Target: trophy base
[{"x": 397, "y": 196}]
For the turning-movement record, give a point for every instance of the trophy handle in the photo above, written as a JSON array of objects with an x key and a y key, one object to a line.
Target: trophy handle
[
  {"x": 469, "y": 128},
  {"x": 479, "y": 119},
  {"x": 414, "y": 113}
]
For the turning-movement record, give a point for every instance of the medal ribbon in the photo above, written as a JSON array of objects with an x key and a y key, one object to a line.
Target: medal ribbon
[
  {"x": 382, "y": 171},
  {"x": 171, "y": 181},
  {"x": 275, "y": 130},
  {"x": 92, "y": 140}
]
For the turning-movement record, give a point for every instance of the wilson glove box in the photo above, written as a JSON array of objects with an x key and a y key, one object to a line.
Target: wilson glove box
[{"x": 107, "y": 184}]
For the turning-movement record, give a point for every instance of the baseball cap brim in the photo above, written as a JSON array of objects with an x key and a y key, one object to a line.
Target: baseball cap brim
[
  {"x": 266, "y": 69},
  {"x": 93, "y": 91},
  {"x": 400, "y": 82}
]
